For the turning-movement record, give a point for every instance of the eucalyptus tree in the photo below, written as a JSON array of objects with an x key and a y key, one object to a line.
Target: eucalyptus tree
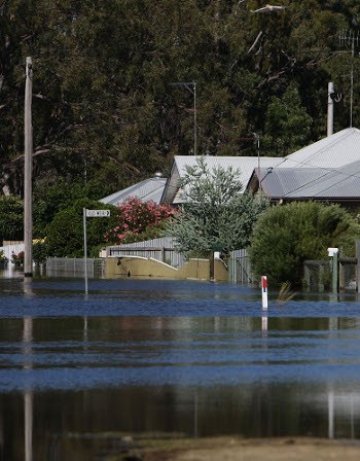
[
  {"x": 103, "y": 99},
  {"x": 287, "y": 124},
  {"x": 216, "y": 215}
]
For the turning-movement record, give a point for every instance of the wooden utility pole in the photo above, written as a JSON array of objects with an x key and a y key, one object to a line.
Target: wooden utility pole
[
  {"x": 28, "y": 151},
  {"x": 330, "y": 113}
]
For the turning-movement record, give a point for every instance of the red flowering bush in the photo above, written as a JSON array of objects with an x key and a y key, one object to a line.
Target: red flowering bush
[{"x": 139, "y": 220}]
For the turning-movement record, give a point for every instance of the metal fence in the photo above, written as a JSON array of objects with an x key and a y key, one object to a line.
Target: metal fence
[
  {"x": 162, "y": 249},
  {"x": 75, "y": 267},
  {"x": 240, "y": 268},
  {"x": 318, "y": 274}
]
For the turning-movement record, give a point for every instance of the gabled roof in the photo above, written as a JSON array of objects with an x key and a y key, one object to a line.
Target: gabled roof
[
  {"x": 341, "y": 184},
  {"x": 149, "y": 189},
  {"x": 245, "y": 165},
  {"x": 335, "y": 151}
]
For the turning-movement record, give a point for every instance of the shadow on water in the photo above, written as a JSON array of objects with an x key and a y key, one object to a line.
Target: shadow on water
[{"x": 189, "y": 358}]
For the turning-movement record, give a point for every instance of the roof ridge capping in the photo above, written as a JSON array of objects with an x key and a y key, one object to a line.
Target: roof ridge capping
[{"x": 334, "y": 151}]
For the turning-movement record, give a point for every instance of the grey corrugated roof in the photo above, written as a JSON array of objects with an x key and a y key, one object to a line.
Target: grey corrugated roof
[
  {"x": 335, "y": 151},
  {"x": 245, "y": 165},
  {"x": 316, "y": 183},
  {"x": 166, "y": 242},
  {"x": 149, "y": 189}
]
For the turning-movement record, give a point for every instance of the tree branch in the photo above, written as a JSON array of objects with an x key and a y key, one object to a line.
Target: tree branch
[{"x": 259, "y": 35}]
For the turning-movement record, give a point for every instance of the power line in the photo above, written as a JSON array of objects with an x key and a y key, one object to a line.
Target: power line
[
  {"x": 351, "y": 38},
  {"x": 327, "y": 172}
]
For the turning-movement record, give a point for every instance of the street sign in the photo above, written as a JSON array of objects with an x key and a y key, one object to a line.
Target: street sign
[
  {"x": 97, "y": 213},
  {"x": 90, "y": 214}
]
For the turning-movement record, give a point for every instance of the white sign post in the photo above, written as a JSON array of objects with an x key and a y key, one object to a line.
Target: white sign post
[{"x": 90, "y": 214}]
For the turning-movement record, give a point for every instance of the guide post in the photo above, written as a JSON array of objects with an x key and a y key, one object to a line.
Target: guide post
[{"x": 264, "y": 291}]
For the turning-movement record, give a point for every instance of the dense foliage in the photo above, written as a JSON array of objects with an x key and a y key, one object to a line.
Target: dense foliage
[
  {"x": 105, "y": 113},
  {"x": 285, "y": 236},
  {"x": 133, "y": 220},
  {"x": 65, "y": 233},
  {"x": 215, "y": 215},
  {"x": 11, "y": 219}
]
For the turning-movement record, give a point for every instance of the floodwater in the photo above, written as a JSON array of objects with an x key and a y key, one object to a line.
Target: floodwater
[{"x": 163, "y": 357}]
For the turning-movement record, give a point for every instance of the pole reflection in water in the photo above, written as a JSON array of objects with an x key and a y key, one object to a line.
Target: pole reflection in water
[
  {"x": 196, "y": 416},
  {"x": 331, "y": 414},
  {"x": 85, "y": 330},
  {"x": 352, "y": 424},
  {"x": 28, "y": 394},
  {"x": 333, "y": 326},
  {"x": 264, "y": 324},
  {"x": 333, "y": 298}
]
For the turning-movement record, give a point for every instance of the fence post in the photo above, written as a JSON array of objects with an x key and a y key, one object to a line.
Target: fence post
[
  {"x": 357, "y": 247},
  {"x": 212, "y": 266},
  {"x": 334, "y": 254},
  {"x": 321, "y": 278},
  {"x": 342, "y": 282},
  {"x": 307, "y": 276},
  {"x": 85, "y": 253},
  {"x": 335, "y": 273},
  {"x": 231, "y": 268}
]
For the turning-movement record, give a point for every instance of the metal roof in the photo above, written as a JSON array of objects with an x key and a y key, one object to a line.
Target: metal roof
[
  {"x": 166, "y": 242},
  {"x": 149, "y": 189},
  {"x": 315, "y": 183},
  {"x": 335, "y": 151},
  {"x": 245, "y": 165}
]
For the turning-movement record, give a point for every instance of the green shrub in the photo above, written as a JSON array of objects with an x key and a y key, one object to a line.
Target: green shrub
[
  {"x": 65, "y": 234},
  {"x": 11, "y": 218},
  {"x": 285, "y": 236}
]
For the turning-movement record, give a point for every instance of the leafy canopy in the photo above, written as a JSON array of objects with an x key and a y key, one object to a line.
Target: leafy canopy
[
  {"x": 216, "y": 216},
  {"x": 11, "y": 218},
  {"x": 65, "y": 233},
  {"x": 287, "y": 123},
  {"x": 285, "y": 236},
  {"x": 103, "y": 103}
]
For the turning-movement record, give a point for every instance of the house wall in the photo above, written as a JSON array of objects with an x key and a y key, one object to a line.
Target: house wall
[{"x": 12, "y": 247}]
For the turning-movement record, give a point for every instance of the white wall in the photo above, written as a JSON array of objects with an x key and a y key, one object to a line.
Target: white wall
[{"x": 10, "y": 247}]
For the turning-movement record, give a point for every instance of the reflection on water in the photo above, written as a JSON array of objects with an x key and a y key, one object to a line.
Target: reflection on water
[
  {"x": 28, "y": 393},
  {"x": 173, "y": 357}
]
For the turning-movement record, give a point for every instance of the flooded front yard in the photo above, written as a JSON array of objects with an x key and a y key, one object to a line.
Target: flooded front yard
[{"x": 78, "y": 374}]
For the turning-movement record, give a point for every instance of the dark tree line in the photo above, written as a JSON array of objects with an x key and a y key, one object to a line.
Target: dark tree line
[{"x": 105, "y": 113}]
